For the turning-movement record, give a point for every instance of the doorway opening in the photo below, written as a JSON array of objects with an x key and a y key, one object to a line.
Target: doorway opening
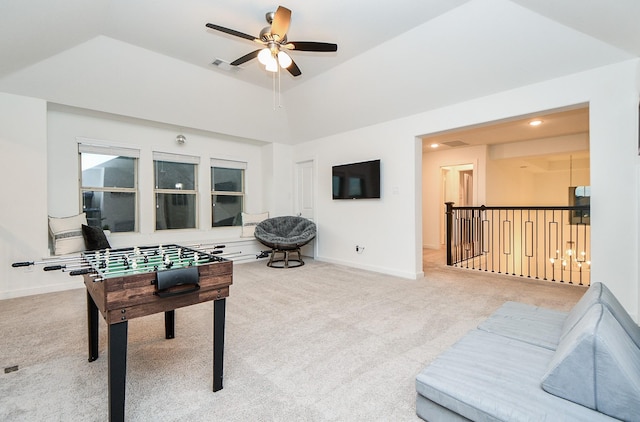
[
  {"x": 456, "y": 187},
  {"x": 514, "y": 163}
]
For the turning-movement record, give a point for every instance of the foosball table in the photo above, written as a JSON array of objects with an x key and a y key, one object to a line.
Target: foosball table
[{"x": 128, "y": 283}]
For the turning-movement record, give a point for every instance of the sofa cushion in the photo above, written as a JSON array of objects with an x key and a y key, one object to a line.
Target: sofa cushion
[
  {"x": 597, "y": 365},
  {"x": 532, "y": 324},
  {"x": 94, "y": 238},
  {"x": 66, "y": 233},
  {"x": 488, "y": 377},
  {"x": 590, "y": 297},
  {"x": 599, "y": 293},
  {"x": 433, "y": 412},
  {"x": 249, "y": 222}
]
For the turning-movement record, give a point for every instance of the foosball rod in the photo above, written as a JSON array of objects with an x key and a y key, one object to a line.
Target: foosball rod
[
  {"x": 68, "y": 259},
  {"x": 143, "y": 268},
  {"x": 66, "y": 266},
  {"x": 101, "y": 254},
  {"x": 200, "y": 245},
  {"x": 117, "y": 262},
  {"x": 112, "y": 253},
  {"x": 118, "y": 266},
  {"x": 241, "y": 255},
  {"x": 106, "y": 275},
  {"x": 142, "y": 251},
  {"x": 46, "y": 261}
]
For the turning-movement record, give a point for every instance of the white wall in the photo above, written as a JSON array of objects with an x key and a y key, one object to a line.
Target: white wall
[
  {"x": 389, "y": 230},
  {"x": 517, "y": 176},
  {"x": 23, "y": 209},
  {"x": 614, "y": 208},
  {"x": 112, "y": 76},
  {"x": 509, "y": 186},
  {"x": 66, "y": 128},
  {"x": 612, "y": 94},
  {"x": 277, "y": 179},
  {"x": 552, "y": 188},
  {"x": 375, "y": 224},
  {"x": 42, "y": 151}
]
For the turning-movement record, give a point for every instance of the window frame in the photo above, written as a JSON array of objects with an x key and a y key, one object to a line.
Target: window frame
[
  {"x": 98, "y": 149},
  {"x": 230, "y": 165},
  {"x": 180, "y": 159}
]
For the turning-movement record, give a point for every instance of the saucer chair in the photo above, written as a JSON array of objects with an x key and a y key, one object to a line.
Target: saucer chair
[{"x": 285, "y": 236}]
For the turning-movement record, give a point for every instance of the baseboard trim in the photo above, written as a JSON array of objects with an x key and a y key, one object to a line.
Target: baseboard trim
[
  {"x": 373, "y": 268},
  {"x": 50, "y": 288}
]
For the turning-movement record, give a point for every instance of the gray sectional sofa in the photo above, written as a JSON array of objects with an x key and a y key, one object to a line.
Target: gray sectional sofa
[{"x": 527, "y": 363}]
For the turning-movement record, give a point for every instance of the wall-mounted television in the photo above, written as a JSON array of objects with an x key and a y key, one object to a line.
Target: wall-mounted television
[{"x": 356, "y": 180}]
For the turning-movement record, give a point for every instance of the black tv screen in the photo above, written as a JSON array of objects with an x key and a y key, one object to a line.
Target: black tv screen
[{"x": 356, "y": 180}]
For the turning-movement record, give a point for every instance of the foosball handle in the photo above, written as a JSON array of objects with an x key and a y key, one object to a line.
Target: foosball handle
[
  {"x": 220, "y": 246},
  {"x": 263, "y": 254},
  {"x": 53, "y": 267},
  {"x": 22, "y": 264},
  {"x": 80, "y": 272},
  {"x": 164, "y": 293}
]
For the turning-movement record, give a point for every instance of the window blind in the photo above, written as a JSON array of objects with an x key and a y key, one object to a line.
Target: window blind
[
  {"x": 175, "y": 158},
  {"x": 228, "y": 164},
  {"x": 108, "y": 150}
]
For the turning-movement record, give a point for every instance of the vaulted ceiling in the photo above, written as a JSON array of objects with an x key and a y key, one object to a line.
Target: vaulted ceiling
[{"x": 151, "y": 59}]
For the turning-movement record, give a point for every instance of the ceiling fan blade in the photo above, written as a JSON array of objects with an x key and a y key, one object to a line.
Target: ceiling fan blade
[
  {"x": 294, "y": 69},
  {"x": 232, "y": 32},
  {"x": 312, "y": 46},
  {"x": 280, "y": 24},
  {"x": 245, "y": 58}
]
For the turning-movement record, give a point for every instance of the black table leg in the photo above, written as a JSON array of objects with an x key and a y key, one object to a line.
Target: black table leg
[
  {"x": 92, "y": 325},
  {"x": 218, "y": 342},
  {"x": 170, "y": 324},
  {"x": 117, "y": 370}
]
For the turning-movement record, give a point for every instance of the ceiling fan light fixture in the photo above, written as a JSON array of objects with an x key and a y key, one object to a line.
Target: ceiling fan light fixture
[
  {"x": 264, "y": 56},
  {"x": 274, "y": 38},
  {"x": 272, "y": 66},
  {"x": 284, "y": 59}
]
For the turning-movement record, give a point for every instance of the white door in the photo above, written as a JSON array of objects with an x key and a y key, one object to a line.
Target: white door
[{"x": 305, "y": 190}]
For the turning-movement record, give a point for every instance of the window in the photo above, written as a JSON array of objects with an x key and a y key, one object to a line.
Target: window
[
  {"x": 108, "y": 179},
  {"x": 580, "y": 196},
  {"x": 175, "y": 190},
  {"x": 227, "y": 192}
]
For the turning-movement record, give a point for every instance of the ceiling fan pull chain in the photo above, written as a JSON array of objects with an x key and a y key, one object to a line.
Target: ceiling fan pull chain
[
  {"x": 274, "y": 91},
  {"x": 279, "y": 97}
]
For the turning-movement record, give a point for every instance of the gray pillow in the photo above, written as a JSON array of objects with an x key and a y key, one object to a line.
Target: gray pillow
[
  {"x": 597, "y": 365},
  {"x": 599, "y": 293}
]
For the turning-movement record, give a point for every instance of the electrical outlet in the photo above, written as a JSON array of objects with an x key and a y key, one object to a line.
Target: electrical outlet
[{"x": 359, "y": 248}]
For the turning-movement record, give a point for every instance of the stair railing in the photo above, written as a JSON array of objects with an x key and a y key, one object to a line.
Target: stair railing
[{"x": 549, "y": 243}]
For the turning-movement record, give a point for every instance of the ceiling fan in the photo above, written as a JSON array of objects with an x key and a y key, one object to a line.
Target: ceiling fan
[{"x": 275, "y": 44}]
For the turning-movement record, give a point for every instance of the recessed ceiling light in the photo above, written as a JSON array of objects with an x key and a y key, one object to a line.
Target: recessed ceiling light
[
  {"x": 434, "y": 145},
  {"x": 536, "y": 122}
]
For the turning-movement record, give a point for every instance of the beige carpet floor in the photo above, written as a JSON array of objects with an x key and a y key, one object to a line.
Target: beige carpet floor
[{"x": 317, "y": 343}]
